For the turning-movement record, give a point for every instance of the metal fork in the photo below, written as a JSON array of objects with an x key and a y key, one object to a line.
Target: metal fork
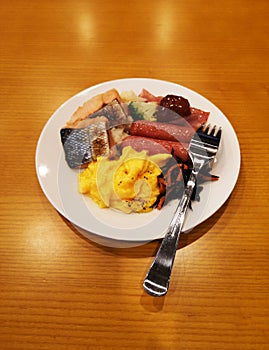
[{"x": 202, "y": 150}]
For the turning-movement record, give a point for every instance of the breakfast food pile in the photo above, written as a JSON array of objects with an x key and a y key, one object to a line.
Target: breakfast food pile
[
  {"x": 132, "y": 150},
  {"x": 128, "y": 183}
]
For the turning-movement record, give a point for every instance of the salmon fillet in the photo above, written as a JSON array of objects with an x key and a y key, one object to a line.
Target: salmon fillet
[{"x": 92, "y": 105}]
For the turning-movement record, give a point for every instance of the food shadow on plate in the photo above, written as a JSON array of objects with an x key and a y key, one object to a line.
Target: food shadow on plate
[{"x": 145, "y": 248}]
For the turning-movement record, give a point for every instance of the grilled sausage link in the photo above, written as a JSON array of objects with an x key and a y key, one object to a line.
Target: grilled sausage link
[
  {"x": 162, "y": 131},
  {"x": 155, "y": 146}
]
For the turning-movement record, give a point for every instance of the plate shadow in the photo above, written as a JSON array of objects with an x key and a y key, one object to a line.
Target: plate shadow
[{"x": 134, "y": 250}]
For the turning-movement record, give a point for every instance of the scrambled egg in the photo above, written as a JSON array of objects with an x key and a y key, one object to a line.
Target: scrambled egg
[{"x": 129, "y": 183}]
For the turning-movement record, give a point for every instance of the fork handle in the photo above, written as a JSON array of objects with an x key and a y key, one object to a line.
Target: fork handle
[{"x": 157, "y": 279}]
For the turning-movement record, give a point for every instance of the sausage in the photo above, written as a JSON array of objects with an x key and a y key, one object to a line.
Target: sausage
[
  {"x": 162, "y": 131},
  {"x": 154, "y": 146}
]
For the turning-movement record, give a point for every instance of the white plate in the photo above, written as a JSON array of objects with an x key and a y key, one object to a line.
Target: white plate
[{"x": 59, "y": 182}]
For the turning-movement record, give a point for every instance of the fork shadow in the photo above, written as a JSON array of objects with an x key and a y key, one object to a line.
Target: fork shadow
[{"x": 134, "y": 250}]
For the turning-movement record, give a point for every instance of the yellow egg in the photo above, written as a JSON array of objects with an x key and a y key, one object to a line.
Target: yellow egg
[
  {"x": 136, "y": 182},
  {"x": 88, "y": 183},
  {"x": 129, "y": 183}
]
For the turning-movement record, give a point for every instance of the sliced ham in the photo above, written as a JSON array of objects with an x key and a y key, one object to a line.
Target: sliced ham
[{"x": 149, "y": 97}]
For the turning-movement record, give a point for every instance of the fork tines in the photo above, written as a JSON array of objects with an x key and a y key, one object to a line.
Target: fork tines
[{"x": 209, "y": 134}]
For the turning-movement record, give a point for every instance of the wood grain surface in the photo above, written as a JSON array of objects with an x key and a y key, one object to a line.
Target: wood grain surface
[{"x": 59, "y": 290}]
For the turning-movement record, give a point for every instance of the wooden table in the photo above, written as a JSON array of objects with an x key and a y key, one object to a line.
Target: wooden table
[{"x": 61, "y": 291}]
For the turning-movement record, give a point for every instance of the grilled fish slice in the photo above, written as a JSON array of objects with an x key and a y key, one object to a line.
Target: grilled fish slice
[
  {"x": 114, "y": 112},
  {"x": 82, "y": 145},
  {"x": 91, "y": 106}
]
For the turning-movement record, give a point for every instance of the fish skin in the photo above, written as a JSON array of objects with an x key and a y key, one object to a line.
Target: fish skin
[
  {"x": 83, "y": 145},
  {"x": 77, "y": 146}
]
